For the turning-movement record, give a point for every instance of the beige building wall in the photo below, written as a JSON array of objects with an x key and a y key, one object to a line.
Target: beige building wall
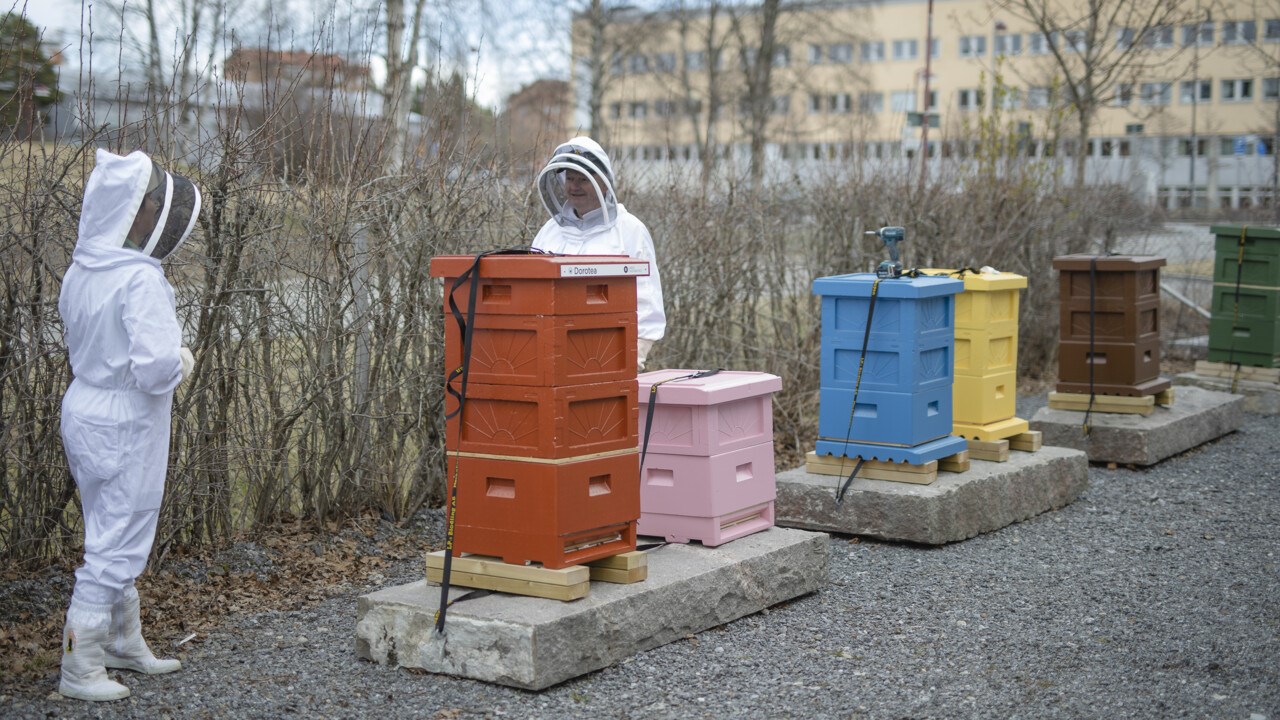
[{"x": 849, "y": 75}]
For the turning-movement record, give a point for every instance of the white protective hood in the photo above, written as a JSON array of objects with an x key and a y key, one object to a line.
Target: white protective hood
[
  {"x": 112, "y": 198},
  {"x": 579, "y": 153}
]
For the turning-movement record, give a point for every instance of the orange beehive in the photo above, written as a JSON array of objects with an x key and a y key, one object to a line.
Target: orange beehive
[
  {"x": 558, "y": 514},
  {"x": 545, "y": 448},
  {"x": 546, "y": 349}
]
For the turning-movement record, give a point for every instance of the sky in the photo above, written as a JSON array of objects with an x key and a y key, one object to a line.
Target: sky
[{"x": 499, "y": 46}]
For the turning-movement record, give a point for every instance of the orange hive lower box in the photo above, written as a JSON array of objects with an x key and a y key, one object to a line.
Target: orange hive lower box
[
  {"x": 546, "y": 422},
  {"x": 555, "y": 513}
]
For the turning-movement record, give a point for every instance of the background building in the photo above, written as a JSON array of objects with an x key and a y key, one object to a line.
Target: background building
[{"x": 1179, "y": 96}]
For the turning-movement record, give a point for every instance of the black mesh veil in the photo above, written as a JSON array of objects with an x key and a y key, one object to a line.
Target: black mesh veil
[{"x": 178, "y": 213}]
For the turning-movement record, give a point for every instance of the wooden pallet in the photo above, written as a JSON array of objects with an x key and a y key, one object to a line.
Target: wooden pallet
[
  {"x": 872, "y": 469},
  {"x": 623, "y": 568},
  {"x": 1029, "y": 441},
  {"x": 957, "y": 463},
  {"x": 1143, "y": 405},
  {"x": 1229, "y": 371},
  {"x": 487, "y": 573},
  {"x": 989, "y": 450}
]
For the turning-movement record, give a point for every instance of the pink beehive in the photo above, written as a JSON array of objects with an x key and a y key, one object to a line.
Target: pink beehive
[{"x": 708, "y": 474}]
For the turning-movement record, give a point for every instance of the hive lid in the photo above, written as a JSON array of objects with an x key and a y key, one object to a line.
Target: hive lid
[
  {"x": 1251, "y": 231},
  {"x": 724, "y": 386},
  {"x": 983, "y": 282},
  {"x": 859, "y": 285},
  {"x": 1108, "y": 263},
  {"x": 541, "y": 266}
]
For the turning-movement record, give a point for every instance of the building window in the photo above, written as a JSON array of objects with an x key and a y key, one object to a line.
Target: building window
[
  {"x": 1201, "y": 34},
  {"x": 871, "y": 102},
  {"x": 969, "y": 98},
  {"x": 872, "y": 51},
  {"x": 1271, "y": 30},
  {"x": 615, "y": 110},
  {"x": 1039, "y": 96},
  {"x": 638, "y": 63},
  {"x": 1123, "y": 96},
  {"x": 1124, "y": 38},
  {"x": 695, "y": 60},
  {"x": 664, "y": 108},
  {"x": 1271, "y": 88},
  {"x": 615, "y": 64},
  {"x": 1227, "y": 147},
  {"x": 1195, "y": 91},
  {"x": 1185, "y": 145},
  {"x": 664, "y": 62},
  {"x": 1077, "y": 41},
  {"x": 905, "y": 49},
  {"x": 1008, "y": 44},
  {"x": 782, "y": 57},
  {"x": 1158, "y": 36},
  {"x": 1123, "y": 148},
  {"x": 780, "y": 104},
  {"x": 815, "y": 54},
  {"x": 815, "y": 103},
  {"x": 840, "y": 53},
  {"x": 1155, "y": 93},
  {"x": 1239, "y": 90},
  {"x": 902, "y": 101},
  {"x": 1239, "y": 32},
  {"x": 936, "y": 49},
  {"x": 638, "y": 110},
  {"x": 1010, "y": 98},
  {"x": 840, "y": 103},
  {"x": 973, "y": 46},
  {"x": 1041, "y": 44}
]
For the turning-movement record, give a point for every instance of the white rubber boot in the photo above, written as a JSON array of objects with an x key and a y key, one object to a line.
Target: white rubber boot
[
  {"x": 126, "y": 650},
  {"x": 84, "y": 675}
]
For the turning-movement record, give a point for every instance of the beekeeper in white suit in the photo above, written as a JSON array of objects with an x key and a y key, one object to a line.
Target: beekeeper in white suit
[
  {"x": 126, "y": 353},
  {"x": 586, "y": 219}
]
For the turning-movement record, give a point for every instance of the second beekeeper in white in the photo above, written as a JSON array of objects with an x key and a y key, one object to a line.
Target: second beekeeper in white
[{"x": 577, "y": 188}]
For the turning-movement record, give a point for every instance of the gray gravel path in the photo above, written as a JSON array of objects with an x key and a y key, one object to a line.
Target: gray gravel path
[{"x": 1156, "y": 594}]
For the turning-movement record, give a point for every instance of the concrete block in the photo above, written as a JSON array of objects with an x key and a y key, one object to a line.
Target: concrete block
[
  {"x": 957, "y": 506},
  {"x": 533, "y": 643},
  {"x": 1195, "y": 417},
  {"x": 1259, "y": 397}
]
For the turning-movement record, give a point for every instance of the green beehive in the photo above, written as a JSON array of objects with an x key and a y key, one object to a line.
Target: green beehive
[{"x": 1245, "y": 324}]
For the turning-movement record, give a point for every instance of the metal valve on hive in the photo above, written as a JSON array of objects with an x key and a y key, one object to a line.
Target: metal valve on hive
[{"x": 890, "y": 235}]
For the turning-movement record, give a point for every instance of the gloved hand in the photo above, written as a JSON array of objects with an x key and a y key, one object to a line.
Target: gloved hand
[
  {"x": 188, "y": 362},
  {"x": 642, "y": 351}
]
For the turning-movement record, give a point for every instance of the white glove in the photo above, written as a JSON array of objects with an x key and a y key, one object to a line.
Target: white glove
[
  {"x": 642, "y": 351},
  {"x": 188, "y": 362}
]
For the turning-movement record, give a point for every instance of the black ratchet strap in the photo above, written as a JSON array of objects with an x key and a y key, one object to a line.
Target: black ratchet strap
[
  {"x": 857, "y": 383},
  {"x": 1235, "y": 311},
  {"x": 466, "y": 323},
  {"x": 653, "y": 398}
]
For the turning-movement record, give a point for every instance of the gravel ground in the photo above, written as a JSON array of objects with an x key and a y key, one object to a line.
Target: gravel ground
[{"x": 1153, "y": 595}]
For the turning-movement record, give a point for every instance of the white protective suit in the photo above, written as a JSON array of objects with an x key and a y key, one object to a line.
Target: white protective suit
[
  {"x": 607, "y": 230},
  {"x": 126, "y": 353}
]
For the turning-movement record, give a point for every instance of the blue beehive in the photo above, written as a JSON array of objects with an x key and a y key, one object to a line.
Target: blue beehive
[{"x": 904, "y": 411}]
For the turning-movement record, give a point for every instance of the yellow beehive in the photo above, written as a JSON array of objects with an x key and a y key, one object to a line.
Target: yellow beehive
[{"x": 984, "y": 392}]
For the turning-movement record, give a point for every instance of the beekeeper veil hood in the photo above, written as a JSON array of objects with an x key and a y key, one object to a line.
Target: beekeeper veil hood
[
  {"x": 586, "y": 156},
  {"x": 132, "y": 203}
]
